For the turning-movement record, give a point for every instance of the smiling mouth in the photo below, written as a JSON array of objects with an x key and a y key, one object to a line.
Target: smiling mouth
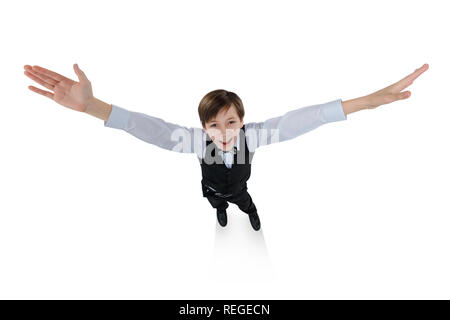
[{"x": 225, "y": 143}]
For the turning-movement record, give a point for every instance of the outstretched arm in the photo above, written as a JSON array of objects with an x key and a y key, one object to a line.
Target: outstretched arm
[
  {"x": 78, "y": 96},
  {"x": 305, "y": 119},
  {"x": 386, "y": 95},
  {"x": 293, "y": 123},
  {"x": 156, "y": 131}
]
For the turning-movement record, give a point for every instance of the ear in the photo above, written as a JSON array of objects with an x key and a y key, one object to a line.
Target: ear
[{"x": 242, "y": 123}]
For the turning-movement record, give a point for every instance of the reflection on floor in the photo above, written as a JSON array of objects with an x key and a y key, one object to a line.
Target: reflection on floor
[{"x": 240, "y": 253}]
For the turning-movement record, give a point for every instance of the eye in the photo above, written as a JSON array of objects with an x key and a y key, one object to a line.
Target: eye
[
  {"x": 232, "y": 122},
  {"x": 213, "y": 125}
]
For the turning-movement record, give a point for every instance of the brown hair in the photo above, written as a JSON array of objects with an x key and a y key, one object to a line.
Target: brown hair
[{"x": 214, "y": 101}]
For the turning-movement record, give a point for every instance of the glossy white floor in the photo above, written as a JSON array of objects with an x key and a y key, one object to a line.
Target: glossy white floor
[{"x": 241, "y": 251}]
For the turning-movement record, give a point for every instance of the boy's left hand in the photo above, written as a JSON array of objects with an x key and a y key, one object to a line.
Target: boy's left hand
[{"x": 394, "y": 92}]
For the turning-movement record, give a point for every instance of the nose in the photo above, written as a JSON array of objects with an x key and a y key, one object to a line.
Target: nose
[
  {"x": 226, "y": 135},
  {"x": 222, "y": 134}
]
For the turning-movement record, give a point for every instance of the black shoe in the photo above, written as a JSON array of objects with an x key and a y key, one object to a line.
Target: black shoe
[
  {"x": 254, "y": 220},
  {"x": 222, "y": 217}
]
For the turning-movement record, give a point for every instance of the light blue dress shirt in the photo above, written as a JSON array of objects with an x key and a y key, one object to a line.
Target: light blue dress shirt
[{"x": 178, "y": 138}]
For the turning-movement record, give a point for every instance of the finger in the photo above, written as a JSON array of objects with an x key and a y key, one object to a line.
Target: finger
[
  {"x": 39, "y": 80},
  {"x": 403, "y": 95},
  {"x": 413, "y": 76},
  {"x": 409, "y": 79},
  {"x": 43, "y": 77},
  {"x": 42, "y": 92},
  {"x": 80, "y": 74},
  {"x": 51, "y": 74}
]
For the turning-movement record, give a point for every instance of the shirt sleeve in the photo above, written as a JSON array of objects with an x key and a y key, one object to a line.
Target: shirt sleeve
[
  {"x": 156, "y": 131},
  {"x": 293, "y": 123}
]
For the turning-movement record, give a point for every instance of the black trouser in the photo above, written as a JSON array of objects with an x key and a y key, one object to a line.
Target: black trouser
[{"x": 243, "y": 200}]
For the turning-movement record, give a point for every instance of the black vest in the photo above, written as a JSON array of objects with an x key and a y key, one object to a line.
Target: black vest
[{"x": 217, "y": 177}]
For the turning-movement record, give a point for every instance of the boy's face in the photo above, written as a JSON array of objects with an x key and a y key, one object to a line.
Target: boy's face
[{"x": 224, "y": 128}]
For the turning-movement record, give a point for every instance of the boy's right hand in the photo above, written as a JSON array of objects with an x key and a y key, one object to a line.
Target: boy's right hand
[{"x": 66, "y": 92}]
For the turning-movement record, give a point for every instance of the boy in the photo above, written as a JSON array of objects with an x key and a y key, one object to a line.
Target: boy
[{"x": 224, "y": 145}]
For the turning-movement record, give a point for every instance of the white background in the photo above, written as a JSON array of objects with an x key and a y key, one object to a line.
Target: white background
[{"x": 354, "y": 209}]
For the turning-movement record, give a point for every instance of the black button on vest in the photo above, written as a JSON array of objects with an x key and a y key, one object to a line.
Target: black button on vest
[{"x": 217, "y": 177}]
